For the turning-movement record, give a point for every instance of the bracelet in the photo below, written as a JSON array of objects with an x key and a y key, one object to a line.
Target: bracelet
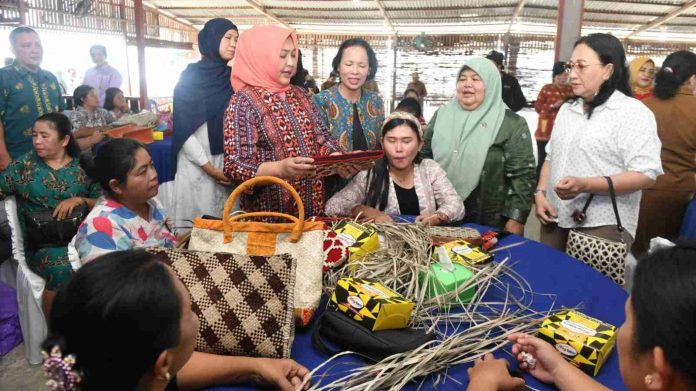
[{"x": 542, "y": 191}]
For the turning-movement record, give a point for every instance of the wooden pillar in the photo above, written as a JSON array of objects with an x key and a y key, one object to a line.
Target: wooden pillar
[
  {"x": 513, "y": 49},
  {"x": 140, "y": 41},
  {"x": 316, "y": 72},
  {"x": 21, "y": 7},
  {"x": 395, "y": 47},
  {"x": 568, "y": 27},
  {"x": 124, "y": 27}
]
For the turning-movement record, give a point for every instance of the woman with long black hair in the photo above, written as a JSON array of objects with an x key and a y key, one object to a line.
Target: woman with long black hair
[{"x": 402, "y": 183}]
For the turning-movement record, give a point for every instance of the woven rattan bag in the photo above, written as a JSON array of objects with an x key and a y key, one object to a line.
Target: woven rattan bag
[
  {"x": 605, "y": 255},
  {"x": 244, "y": 303},
  {"x": 303, "y": 240}
]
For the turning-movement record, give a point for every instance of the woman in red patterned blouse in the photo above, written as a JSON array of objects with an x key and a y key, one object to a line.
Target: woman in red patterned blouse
[
  {"x": 550, "y": 99},
  {"x": 272, "y": 127}
]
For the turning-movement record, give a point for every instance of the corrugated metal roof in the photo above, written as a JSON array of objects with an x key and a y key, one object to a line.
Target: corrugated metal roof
[{"x": 619, "y": 14}]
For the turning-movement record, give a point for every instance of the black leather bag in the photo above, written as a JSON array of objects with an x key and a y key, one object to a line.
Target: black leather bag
[
  {"x": 337, "y": 328},
  {"x": 45, "y": 231}
]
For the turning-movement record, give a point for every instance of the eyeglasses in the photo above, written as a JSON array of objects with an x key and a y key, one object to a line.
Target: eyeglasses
[{"x": 569, "y": 66}]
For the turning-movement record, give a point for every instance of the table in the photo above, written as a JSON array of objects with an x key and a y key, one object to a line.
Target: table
[
  {"x": 688, "y": 228},
  {"x": 548, "y": 271}
]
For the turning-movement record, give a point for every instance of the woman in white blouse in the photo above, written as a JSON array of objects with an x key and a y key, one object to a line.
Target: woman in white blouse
[
  {"x": 604, "y": 132},
  {"x": 401, "y": 183}
]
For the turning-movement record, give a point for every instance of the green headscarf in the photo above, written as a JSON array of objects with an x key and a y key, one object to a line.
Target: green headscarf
[{"x": 461, "y": 138}]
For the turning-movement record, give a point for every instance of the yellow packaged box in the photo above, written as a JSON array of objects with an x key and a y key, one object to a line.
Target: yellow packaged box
[
  {"x": 371, "y": 304},
  {"x": 584, "y": 341},
  {"x": 359, "y": 239},
  {"x": 465, "y": 253}
]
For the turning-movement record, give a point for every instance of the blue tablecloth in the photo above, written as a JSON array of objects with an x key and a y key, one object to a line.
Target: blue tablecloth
[
  {"x": 547, "y": 271},
  {"x": 688, "y": 228},
  {"x": 161, "y": 153}
]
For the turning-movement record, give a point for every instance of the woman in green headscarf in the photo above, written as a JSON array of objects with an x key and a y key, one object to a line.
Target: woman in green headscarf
[{"x": 485, "y": 148}]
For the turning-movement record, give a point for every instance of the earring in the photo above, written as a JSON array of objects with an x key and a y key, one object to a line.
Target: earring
[{"x": 648, "y": 380}]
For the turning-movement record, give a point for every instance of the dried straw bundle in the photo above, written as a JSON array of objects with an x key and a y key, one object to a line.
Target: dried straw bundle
[{"x": 500, "y": 307}]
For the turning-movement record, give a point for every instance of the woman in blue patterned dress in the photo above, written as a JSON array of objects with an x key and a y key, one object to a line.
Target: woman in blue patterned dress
[{"x": 353, "y": 114}]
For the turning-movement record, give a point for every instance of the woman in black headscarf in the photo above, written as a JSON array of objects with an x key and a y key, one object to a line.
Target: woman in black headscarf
[{"x": 200, "y": 100}]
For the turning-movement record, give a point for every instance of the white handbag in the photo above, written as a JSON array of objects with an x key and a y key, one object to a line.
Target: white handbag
[{"x": 605, "y": 255}]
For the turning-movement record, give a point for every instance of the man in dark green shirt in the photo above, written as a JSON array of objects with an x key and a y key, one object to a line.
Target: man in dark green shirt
[{"x": 26, "y": 93}]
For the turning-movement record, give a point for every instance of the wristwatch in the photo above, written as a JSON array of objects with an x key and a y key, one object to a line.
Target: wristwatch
[{"x": 542, "y": 191}]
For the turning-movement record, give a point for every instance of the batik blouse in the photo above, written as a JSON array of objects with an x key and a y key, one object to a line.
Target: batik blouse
[
  {"x": 81, "y": 118},
  {"x": 112, "y": 226},
  {"x": 337, "y": 114},
  {"x": 435, "y": 193},
  {"x": 39, "y": 187},
  {"x": 262, "y": 126}
]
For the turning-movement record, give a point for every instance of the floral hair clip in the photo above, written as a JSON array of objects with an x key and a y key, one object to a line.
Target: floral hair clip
[{"x": 59, "y": 370}]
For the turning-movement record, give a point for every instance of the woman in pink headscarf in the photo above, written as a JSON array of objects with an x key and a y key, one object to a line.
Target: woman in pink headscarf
[{"x": 272, "y": 127}]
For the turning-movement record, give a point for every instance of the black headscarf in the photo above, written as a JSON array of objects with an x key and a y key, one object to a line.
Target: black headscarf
[{"x": 203, "y": 91}]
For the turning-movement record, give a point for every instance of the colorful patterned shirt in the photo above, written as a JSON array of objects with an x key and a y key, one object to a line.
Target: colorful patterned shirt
[
  {"x": 549, "y": 95},
  {"x": 337, "y": 114},
  {"x": 81, "y": 118},
  {"x": 25, "y": 96},
  {"x": 262, "y": 126},
  {"x": 111, "y": 226},
  {"x": 39, "y": 187}
]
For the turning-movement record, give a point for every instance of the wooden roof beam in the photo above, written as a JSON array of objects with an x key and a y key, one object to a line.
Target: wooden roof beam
[
  {"x": 516, "y": 14},
  {"x": 663, "y": 19},
  {"x": 384, "y": 15},
  {"x": 266, "y": 13}
]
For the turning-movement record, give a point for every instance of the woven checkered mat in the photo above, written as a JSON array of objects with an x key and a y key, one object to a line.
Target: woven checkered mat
[{"x": 244, "y": 303}]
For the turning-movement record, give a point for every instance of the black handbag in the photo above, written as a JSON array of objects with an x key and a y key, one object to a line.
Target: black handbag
[
  {"x": 350, "y": 335},
  {"x": 43, "y": 230}
]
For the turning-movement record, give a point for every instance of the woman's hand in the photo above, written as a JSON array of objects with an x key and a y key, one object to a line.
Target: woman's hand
[
  {"x": 514, "y": 227},
  {"x": 544, "y": 211},
  {"x": 66, "y": 207},
  {"x": 296, "y": 167},
  {"x": 431, "y": 219},
  {"x": 570, "y": 187},
  {"x": 284, "y": 374},
  {"x": 492, "y": 374},
  {"x": 217, "y": 174},
  {"x": 380, "y": 218},
  {"x": 97, "y": 137},
  {"x": 548, "y": 360}
]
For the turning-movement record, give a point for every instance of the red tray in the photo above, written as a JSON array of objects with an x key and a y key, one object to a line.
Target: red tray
[{"x": 330, "y": 165}]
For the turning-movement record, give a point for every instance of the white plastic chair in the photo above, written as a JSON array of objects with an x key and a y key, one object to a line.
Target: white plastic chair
[{"x": 29, "y": 290}]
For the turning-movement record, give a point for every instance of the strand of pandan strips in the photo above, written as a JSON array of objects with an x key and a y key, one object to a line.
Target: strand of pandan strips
[
  {"x": 398, "y": 264},
  {"x": 394, "y": 372}
]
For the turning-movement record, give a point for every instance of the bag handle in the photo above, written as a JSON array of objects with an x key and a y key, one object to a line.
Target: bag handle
[
  {"x": 263, "y": 180},
  {"x": 612, "y": 195}
]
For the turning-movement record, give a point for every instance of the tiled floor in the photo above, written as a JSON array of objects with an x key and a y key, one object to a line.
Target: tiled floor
[{"x": 17, "y": 375}]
